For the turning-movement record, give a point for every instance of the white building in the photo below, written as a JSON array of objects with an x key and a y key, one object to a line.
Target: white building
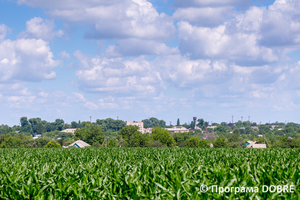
[
  {"x": 253, "y": 144},
  {"x": 69, "y": 130},
  {"x": 212, "y": 127},
  {"x": 178, "y": 129},
  {"x": 140, "y": 125}
]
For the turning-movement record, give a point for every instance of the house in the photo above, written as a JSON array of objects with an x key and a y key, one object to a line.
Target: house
[
  {"x": 36, "y": 136},
  {"x": 273, "y": 127},
  {"x": 254, "y": 144},
  {"x": 79, "y": 144},
  {"x": 69, "y": 130},
  {"x": 178, "y": 129},
  {"x": 197, "y": 128},
  {"x": 147, "y": 130},
  {"x": 212, "y": 127},
  {"x": 259, "y": 146},
  {"x": 255, "y": 128}
]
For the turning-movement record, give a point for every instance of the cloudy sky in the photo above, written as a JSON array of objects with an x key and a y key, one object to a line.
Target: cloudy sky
[{"x": 134, "y": 59}]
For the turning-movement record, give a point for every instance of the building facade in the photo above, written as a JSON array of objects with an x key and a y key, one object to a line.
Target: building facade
[{"x": 140, "y": 125}]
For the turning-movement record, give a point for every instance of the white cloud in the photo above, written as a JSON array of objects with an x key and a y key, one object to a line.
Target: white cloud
[
  {"x": 211, "y": 3},
  {"x": 203, "y": 16},
  {"x": 64, "y": 54},
  {"x": 91, "y": 105},
  {"x": 26, "y": 60},
  {"x": 3, "y": 31},
  {"x": 66, "y": 4},
  {"x": 112, "y": 19},
  {"x": 280, "y": 25},
  {"x": 79, "y": 97},
  {"x": 43, "y": 94},
  {"x": 134, "y": 77},
  {"x": 137, "y": 47},
  {"x": 40, "y": 29},
  {"x": 216, "y": 43}
]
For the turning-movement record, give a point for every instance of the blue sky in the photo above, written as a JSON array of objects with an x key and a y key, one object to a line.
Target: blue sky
[{"x": 134, "y": 59}]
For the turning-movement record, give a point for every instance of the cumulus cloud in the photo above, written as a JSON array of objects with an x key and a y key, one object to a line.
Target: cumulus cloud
[
  {"x": 216, "y": 43},
  {"x": 119, "y": 77},
  {"x": 112, "y": 19},
  {"x": 258, "y": 36},
  {"x": 137, "y": 47},
  {"x": 281, "y": 25},
  {"x": 26, "y": 60},
  {"x": 211, "y": 3},
  {"x": 64, "y": 54},
  {"x": 79, "y": 97},
  {"x": 3, "y": 31},
  {"x": 102, "y": 104},
  {"x": 40, "y": 29},
  {"x": 66, "y": 4},
  {"x": 208, "y": 16}
]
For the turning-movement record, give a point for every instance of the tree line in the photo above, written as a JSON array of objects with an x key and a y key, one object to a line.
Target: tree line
[{"x": 114, "y": 133}]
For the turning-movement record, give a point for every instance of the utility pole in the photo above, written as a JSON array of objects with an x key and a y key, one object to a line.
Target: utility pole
[{"x": 90, "y": 118}]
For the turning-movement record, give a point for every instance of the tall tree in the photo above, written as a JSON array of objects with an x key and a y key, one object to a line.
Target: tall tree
[
  {"x": 178, "y": 122},
  {"x": 163, "y": 136},
  {"x": 90, "y": 133},
  {"x": 220, "y": 142},
  {"x": 133, "y": 137},
  {"x": 59, "y": 123},
  {"x": 25, "y": 126}
]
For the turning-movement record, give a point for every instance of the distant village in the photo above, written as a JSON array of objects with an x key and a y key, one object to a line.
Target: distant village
[
  {"x": 172, "y": 130},
  {"x": 150, "y": 132}
]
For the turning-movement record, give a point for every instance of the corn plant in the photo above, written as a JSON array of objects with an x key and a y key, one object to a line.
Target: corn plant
[{"x": 146, "y": 173}]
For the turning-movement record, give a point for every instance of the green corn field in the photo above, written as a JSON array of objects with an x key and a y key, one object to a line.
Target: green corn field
[{"x": 146, "y": 173}]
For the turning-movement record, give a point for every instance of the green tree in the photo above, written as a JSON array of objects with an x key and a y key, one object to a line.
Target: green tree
[
  {"x": 112, "y": 142},
  {"x": 154, "y": 122},
  {"x": 25, "y": 126},
  {"x": 220, "y": 142},
  {"x": 180, "y": 138},
  {"x": 40, "y": 128},
  {"x": 61, "y": 142},
  {"x": 234, "y": 145},
  {"x": 133, "y": 138},
  {"x": 140, "y": 140},
  {"x": 196, "y": 142},
  {"x": 59, "y": 123},
  {"x": 178, "y": 122},
  {"x": 163, "y": 136},
  {"x": 41, "y": 141},
  {"x": 111, "y": 124},
  {"x": 90, "y": 133},
  {"x": 200, "y": 122},
  {"x": 235, "y": 136},
  {"x": 128, "y": 133},
  {"x": 11, "y": 142},
  {"x": 52, "y": 144},
  {"x": 74, "y": 124},
  {"x": 192, "y": 142},
  {"x": 203, "y": 144}
]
